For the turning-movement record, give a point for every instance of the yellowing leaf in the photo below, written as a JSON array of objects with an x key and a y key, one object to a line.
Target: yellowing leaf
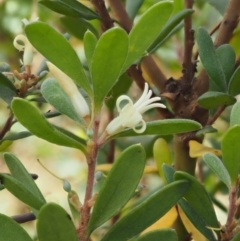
[
  {"x": 196, "y": 235},
  {"x": 198, "y": 150},
  {"x": 165, "y": 222},
  {"x": 107, "y": 167}
]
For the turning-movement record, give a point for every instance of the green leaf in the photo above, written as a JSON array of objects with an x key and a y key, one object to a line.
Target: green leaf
[
  {"x": 227, "y": 56},
  {"x": 21, "y": 192},
  {"x": 4, "y": 67},
  {"x": 16, "y": 136},
  {"x": 219, "y": 5},
  {"x": 55, "y": 224},
  {"x": 4, "y": 81},
  {"x": 210, "y": 59},
  {"x": 108, "y": 59},
  {"x": 230, "y": 150},
  {"x": 57, "y": 50},
  {"x": 6, "y": 94},
  {"x": 163, "y": 127},
  {"x": 145, "y": 31},
  {"x": 198, "y": 198},
  {"x": 120, "y": 185},
  {"x": 162, "y": 234},
  {"x": 120, "y": 88},
  {"x": 20, "y": 173},
  {"x": 169, "y": 26},
  {"x": 218, "y": 168},
  {"x": 77, "y": 26},
  {"x": 59, "y": 100},
  {"x": 214, "y": 99},
  {"x": 236, "y": 237},
  {"x": 11, "y": 230},
  {"x": 70, "y": 8},
  {"x": 205, "y": 130},
  {"x": 168, "y": 172},
  {"x": 32, "y": 119},
  {"x": 235, "y": 113},
  {"x": 161, "y": 154},
  {"x": 234, "y": 83},
  {"x": 90, "y": 42},
  {"x": 197, "y": 220},
  {"x": 155, "y": 206},
  {"x": 132, "y": 7}
]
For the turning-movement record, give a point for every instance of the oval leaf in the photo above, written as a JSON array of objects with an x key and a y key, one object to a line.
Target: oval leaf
[
  {"x": 210, "y": 59},
  {"x": 20, "y": 173},
  {"x": 214, "y": 99},
  {"x": 32, "y": 119},
  {"x": 116, "y": 191},
  {"x": 7, "y": 83},
  {"x": 218, "y": 168},
  {"x": 70, "y": 8},
  {"x": 21, "y": 192},
  {"x": 55, "y": 224},
  {"x": 163, "y": 127},
  {"x": 136, "y": 220},
  {"x": 108, "y": 59},
  {"x": 198, "y": 198},
  {"x": 234, "y": 83},
  {"x": 77, "y": 26},
  {"x": 163, "y": 234},
  {"x": 11, "y": 230},
  {"x": 227, "y": 56},
  {"x": 60, "y": 100},
  {"x": 235, "y": 113},
  {"x": 145, "y": 31},
  {"x": 132, "y": 7},
  {"x": 57, "y": 50},
  {"x": 231, "y": 154}
]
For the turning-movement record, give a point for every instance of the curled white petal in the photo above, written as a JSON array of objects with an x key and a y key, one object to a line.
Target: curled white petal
[
  {"x": 130, "y": 115},
  {"x": 69, "y": 87},
  {"x": 26, "y": 47}
]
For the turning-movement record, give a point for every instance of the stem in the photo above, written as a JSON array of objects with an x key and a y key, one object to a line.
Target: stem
[
  {"x": 7, "y": 126},
  {"x": 216, "y": 115},
  {"x": 232, "y": 205},
  {"x": 188, "y": 67},
  {"x": 93, "y": 148}
]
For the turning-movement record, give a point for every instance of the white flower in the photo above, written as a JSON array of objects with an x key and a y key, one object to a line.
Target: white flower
[
  {"x": 27, "y": 48},
  {"x": 131, "y": 114},
  {"x": 69, "y": 87}
]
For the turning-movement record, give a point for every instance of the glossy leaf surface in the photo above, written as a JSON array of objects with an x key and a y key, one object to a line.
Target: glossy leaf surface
[
  {"x": 147, "y": 212},
  {"x": 77, "y": 26},
  {"x": 234, "y": 83},
  {"x": 231, "y": 154},
  {"x": 214, "y": 99},
  {"x": 57, "y": 50},
  {"x": 198, "y": 198},
  {"x": 164, "y": 127},
  {"x": 108, "y": 59},
  {"x": 20, "y": 173},
  {"x": 70, "y": 8},
  {"x": 55, "y": 224},
  {"x": 119, "y": 186},
  {"x": 145, "y": 31},
  {"x": 162, "y": 234},
  {"x": 21, "y": 192},
  {"x": 210, "y": 59},
  {"x": 11, "y": 230},
  {"x": 90, "y": 42},
  {"x": 235, "y": 114},
  {"x": 32, "y": 119},
  {"x": 218, "y": 168},
  {"x": 59, "y": 100}
]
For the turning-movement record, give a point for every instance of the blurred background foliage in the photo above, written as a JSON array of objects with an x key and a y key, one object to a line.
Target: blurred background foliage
[{"x": 69, "y": 163}]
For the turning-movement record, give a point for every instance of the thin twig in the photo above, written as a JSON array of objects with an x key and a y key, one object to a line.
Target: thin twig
[
  {"x": 7, "y": 126},
  {"x": 23, "y": 218},
  {"x": 216, "y": 115}
]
